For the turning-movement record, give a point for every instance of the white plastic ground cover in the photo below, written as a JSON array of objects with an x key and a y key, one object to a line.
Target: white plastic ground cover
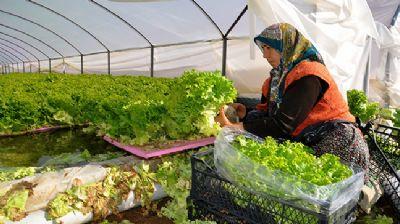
[
  {"x": 239, "y": 169},
  {"x": 39, "y": 216},
  {"x": 49, "y": 184}
]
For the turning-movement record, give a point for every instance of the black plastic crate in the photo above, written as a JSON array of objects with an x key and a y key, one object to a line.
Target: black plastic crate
[
  {"x": 380, "y": 166},
  {"x": 212, "y": 197},
  {"x": 388, "y": 139}
]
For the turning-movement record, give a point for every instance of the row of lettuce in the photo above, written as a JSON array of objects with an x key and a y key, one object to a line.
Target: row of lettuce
[{"x": 135, "y": 110}]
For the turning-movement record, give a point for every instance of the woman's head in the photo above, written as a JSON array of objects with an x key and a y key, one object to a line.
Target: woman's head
[{"x": 282, "y": 44}]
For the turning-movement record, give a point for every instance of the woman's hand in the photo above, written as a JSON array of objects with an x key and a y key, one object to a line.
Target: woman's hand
[
  {"x": 240, "y": 109},
  {"x": 223, "y": 120}
]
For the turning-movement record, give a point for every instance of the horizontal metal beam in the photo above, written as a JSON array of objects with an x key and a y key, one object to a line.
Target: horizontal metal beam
[{"x": 158, "y": 46}]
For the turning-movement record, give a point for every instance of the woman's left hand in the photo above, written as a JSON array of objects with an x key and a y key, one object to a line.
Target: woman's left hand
[{"x": 223, "y": 120}]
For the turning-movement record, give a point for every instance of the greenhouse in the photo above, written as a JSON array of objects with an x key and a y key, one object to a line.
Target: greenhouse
[{"x": 199, "y": 111}]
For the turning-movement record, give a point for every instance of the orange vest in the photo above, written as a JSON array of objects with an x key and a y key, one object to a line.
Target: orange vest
[{"x": 331, "y": 106}]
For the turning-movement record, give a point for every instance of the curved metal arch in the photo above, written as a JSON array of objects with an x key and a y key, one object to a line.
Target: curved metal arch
[
  {"x": 25, "y": 43},
  {"x": 236, "y": 21},
  {"x": 208, "y": 17},
  {"x": 19, "y": 47},
  {"x": 123, "y": 20},
  {"x": 68, "y": 19},
  {"x": 7, "y": 58},
  {"x": 12, "y": 54},
  {"x": 3, "y": 63},
  {"x": 396, "y": 14},
  {"x": 27, "y": 34},
  {"x": 16, "y": 51},
  {"x": 28, "y": 20}
]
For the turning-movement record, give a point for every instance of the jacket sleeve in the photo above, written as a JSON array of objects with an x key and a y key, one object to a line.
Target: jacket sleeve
[{"x": 298, "y": 101}]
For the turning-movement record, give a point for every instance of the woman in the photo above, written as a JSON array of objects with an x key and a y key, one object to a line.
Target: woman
[{"x": 300, "y": 100}]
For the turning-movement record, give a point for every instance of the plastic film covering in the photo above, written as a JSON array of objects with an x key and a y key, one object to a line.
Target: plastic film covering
[
  {"x": 79, "y": 38},
  {"x": 239, "y": 169},
  {"x": 95, "y": 64},
  {"x": 218, "y": 11},
  {"x": 164, "y": 22},
  {"x": 10, "y": 31},
  {"x": 21, "y": 57},
  {"x": 132, "y": 62},
  {"x": 38, "y": 32},
  {"x": 171, "y": 61},
  {"x": 338, "y": 29},
  {"x": 109, "y": 30},
  {"x": 33, "y": 66},
  {"x": 385, "y": 66},
  {"x": 72, "y": 65},
  {"x": 18, "y": 44},
  {"x": 247, "y": 74}
]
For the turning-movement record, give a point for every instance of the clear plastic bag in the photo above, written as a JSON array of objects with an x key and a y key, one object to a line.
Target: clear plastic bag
[{"x": 260, "y": 179}]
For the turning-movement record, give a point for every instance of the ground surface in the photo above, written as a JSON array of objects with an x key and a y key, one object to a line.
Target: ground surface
[{"x": 136, "y": 216}]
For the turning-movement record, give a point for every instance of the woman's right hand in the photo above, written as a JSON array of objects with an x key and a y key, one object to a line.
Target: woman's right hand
[{"x": 240, "y": 109}]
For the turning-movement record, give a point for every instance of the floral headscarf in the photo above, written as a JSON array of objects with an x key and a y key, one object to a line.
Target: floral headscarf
[{"x": 294, "y": 48}]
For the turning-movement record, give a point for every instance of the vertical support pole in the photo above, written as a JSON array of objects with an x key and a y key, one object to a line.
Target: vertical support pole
[
  {"x": 38, "y": 65},
  {"x": 30, "y": 67},
  {"x": 81, "y": 63},
  {"x": 49, "y": 65},
  {"x": 152, "y": 61},
  {"x": 13, "y": 70},
  {"x": 224, "y": 46},
  {"x": 23, "y": 67},
  {"x": 108, "y": 62},
  {"x": 63, "y": 65}
]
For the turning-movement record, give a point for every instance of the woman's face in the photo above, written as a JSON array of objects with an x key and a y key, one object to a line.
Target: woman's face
[{"x": 273, "y": 56}]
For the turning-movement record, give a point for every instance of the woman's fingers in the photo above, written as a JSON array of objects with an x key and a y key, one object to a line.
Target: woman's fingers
[{"x": 221, "y": 118}]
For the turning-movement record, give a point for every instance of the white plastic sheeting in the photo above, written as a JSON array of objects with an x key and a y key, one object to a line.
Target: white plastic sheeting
[
  {"x": 75, "y": 217},
  {"x": 338, "y": 29},
  {"x": 385, "y": 70},
  {"x": 184, "y": 37}
]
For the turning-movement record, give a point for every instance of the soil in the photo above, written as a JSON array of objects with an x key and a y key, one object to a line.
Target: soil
[{"x": 136, "y": 215}]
